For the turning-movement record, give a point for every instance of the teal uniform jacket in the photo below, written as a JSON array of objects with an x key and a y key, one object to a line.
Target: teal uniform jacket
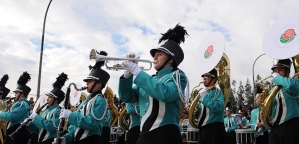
[
  {"x": 158, "y": 96},
  {"x": 88, "y": 117},
  {"x": 106, "y": 122},
  {"x": 211, "y": 108},
  {"x": 285, "y": 105},
  {"x": 244, "y": 121},
  {"x": 230, "y": 123},
  {"x": 48, "y": 122},
  {"x": 19, "y": 112},
  {"x": 254, "y": 119},
  {"x": 133, "y": 111}
]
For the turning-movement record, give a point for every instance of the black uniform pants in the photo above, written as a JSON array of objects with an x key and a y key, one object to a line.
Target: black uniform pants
[
  {"x": 133, "y": 135},
  {"x": 231, "y": 137},
  {"x": 263, "y": 139},
  {"x": 213, "y": 133},
  {"x": 21, "y": 137},
  {"x": 94, "y": 139},
  {"x": 48, "y": 141},
  {"x": 168, "y": 134},
  {"x": 105, "y": 135},
  {"x": 285, "y": 133}
]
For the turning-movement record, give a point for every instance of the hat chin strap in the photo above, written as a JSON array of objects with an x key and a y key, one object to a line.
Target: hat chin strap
[{"x": 161, "y": 67}]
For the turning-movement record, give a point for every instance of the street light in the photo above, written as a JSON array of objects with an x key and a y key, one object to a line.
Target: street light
[{"x": 41, "y": 52}]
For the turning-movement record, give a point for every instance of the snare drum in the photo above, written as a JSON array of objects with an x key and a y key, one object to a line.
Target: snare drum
[
  {"x": 245, "y": 136},
  {"x": 192, "y": 135}
]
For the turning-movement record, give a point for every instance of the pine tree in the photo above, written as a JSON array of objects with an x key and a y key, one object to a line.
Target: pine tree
[
  {"x": 232, "y": 98},
  {"x": 249, "y": 94},
  {"x": 240, "y": 95}
]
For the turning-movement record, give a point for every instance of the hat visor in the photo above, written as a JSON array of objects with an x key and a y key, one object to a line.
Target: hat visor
[
  {"x": 277, "y": 66},
  {"x": 87, "y": 79},
  {"x": 162, "y": 49},
  {"x": 17, "y": 90},
  {"x": 51, "y": 95},
  {"x": 207, "y": 74}
]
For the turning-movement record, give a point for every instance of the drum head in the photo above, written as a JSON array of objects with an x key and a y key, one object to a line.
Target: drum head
[
  {"x": 281, "y": 40},
  {"x": 239, "y": 119},
  {"x": 209, "y": 52}
]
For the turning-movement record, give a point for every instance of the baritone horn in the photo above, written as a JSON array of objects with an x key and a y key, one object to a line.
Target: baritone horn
[{"x": 95, "y": 57}]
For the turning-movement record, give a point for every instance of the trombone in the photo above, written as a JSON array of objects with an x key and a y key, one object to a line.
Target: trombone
[{"x": 95, "y": 57}]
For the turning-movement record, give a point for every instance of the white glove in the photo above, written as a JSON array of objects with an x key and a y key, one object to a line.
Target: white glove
[
  {"x": 131, "y": 67},
  {"x": 275, "y": 74},
  {"x": 63, "y": 141},
  {"x": 64, "y": 113},
  {"x": 33, "y": 115},
  {"x": 29, "y": 121},
  {"x": 203, "y": 93},
  {"x": 225, "y": 129},
  {"x": 127, "y": 74}
]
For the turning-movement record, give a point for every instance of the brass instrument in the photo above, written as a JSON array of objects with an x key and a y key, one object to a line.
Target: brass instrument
[
  {"x": 95, "y": 57},
  {"x": 192, "y": 107},
  {"x": 3, "y": 123},
  {"x": 123, "y": 117},
  {"x": 223, "y": 70},
  {"x": 109, "y": 96},
  {"x": 124, "y": 120},
  {"x": 267, "y": 101}
]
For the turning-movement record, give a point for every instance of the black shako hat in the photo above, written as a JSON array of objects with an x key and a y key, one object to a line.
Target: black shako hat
[
  {"x": 4, "y": 90},
  {"x": 97, "y": 73},
  {"x": 212, "y": 73},
  {"x": 172, "y": 39},
  {"x": 56, "y": 92},
  {"x": 281, "y": 63},
  {"x": 22, "y": 87}
]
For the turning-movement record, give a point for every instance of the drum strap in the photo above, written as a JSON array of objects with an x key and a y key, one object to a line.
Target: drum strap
[{"x": 229, "y": 123}]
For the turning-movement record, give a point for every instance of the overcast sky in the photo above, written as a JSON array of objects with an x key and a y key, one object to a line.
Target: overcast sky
[{"x": 74, "y": 27}]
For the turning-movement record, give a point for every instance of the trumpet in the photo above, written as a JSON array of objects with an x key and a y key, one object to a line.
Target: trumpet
[{"x": 95, "y": 57}]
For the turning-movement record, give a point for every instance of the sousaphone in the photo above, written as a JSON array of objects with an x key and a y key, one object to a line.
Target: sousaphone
[
  {"x": 210, "y": 54},
  {"x": 280, "y": 42}
]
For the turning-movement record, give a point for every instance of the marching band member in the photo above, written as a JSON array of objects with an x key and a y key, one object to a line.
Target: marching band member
[
  {"x": 230, "y": 127},
  {"x": 244, "y": 120},
  {"x": 211, "y": 127},
  {"x": 19, "y": 112},
  {"x": 285, "y": 106},
  {"x": 85, "y": 122},
  {"x": 106, "y": 127},
  {"x": 3, "y": 106},
  {"x": 46, "y": 124},
  {"x": 262, "y": 136},
  {"x": 160, "y": 96},
  {"x": 134, "y": 127}
]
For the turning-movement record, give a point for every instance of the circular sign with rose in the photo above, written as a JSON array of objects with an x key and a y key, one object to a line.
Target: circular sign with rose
[
  {"x": 209, "y": 52},
  {"x": 288, "y": 36}
]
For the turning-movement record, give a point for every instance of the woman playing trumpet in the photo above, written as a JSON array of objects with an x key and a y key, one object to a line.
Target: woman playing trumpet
[{"x": 159, "y": 96}]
